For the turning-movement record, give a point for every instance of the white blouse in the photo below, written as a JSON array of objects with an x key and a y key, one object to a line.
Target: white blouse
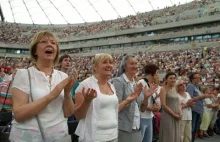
[{"x": 52, "y": 117}]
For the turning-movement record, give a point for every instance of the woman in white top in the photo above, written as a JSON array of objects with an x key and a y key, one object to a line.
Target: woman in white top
[
  {"x": 98, "y": 112},
  {"x": 186, "y": 103},
  {"x": 206, "y": 117},
  {"x": 52, "y": 101},
  {"x": 151, "y": 72}
]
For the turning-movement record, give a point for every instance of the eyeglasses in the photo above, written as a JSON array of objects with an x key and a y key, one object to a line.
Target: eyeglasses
[{"x": 196, "y": 78}]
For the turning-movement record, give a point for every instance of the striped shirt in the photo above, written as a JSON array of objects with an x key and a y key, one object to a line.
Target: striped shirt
[{"x": 3, "y": 91}]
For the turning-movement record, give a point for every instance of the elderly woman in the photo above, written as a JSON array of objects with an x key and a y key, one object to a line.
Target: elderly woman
[
  {"x": 50, "y": 90},
  {"x": 186, "y": 103},
  {"x": 127, "y": 92},
  {"x": 98, "y": 112}
]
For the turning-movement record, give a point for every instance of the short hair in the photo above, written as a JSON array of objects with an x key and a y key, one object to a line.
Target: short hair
[
  {"x": 191, "y": 76},
  {"x": 100, "y": 57},
  {"x": 63, "y": 57},
  {"x": 204, "y": 89},
  {"x": 150, "y": 69},
  {"x": 169, "y": 74},
  {"x": 36, "y": 39},
  {"x": 15, "y": 63}
]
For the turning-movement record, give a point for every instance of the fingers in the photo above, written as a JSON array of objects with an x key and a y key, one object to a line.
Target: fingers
[{"x": 90, "y": 94}]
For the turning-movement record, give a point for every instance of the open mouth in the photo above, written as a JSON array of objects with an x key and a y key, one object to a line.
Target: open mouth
[{"x": 49, "y": 51}]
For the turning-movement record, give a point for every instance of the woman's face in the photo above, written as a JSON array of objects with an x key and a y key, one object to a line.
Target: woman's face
[
  {"x": 104, "y": 67},
  {"x": 131, "y": 66},
  {"x": 171, "y": 80},
  {"x": 46, "y": 49},
  {"x": 181, "y": 86}
]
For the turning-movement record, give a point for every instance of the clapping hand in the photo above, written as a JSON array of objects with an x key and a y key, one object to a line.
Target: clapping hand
[
  {"x": 136, "y": 93},
  {"x": 89, "y": 95},
  {"x": 150, "y": 91},
  {"x": 191, "y": 102},
  {"x": 72, "y": 80}
]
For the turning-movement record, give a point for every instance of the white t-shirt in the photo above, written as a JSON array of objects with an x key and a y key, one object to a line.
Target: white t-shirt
[
  {"x": 218, "y": 96},
  {"x": 206, "y": 102},
  {"x": 52, "y": 117},
  {"x": 187, "y": 112}
]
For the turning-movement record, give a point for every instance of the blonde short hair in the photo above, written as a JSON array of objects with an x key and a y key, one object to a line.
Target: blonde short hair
[
  {"x": 36, "y": 39},
  {"x": 98, "y": 58}
]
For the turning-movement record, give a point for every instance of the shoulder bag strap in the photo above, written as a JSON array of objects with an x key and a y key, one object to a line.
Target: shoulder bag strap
[{"x": 38, "y": 120}]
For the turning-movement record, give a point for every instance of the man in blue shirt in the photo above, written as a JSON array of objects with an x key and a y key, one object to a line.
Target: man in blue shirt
[{"x": 197, "y": 111}]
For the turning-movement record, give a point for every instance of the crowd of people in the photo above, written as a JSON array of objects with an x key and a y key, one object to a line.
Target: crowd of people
[
  {"x": 13, "y": 33},
  {"x": 115, "y": 96}
]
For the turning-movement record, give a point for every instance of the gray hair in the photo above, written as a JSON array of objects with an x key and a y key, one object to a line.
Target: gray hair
[{"x": 121, "y": 69}]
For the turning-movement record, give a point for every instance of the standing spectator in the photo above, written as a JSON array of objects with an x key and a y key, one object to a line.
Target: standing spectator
[
  {"x": 151, "y": 72},
  {"x": 186, "y": 103},
  {"x": 171, "y": 111},
  {"x": 197, "y": 111},
  {"x": 5, "y": 92},
  {"x": 207, "y": 116},
  {"x": 65, "y": 66},
  {"x": 97, "y": 104},
  {"x": 127, "y": 92},
  {"x": 51, "y": 102}
]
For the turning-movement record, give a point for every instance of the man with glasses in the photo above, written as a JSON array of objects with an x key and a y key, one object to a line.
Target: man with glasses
[{"x": 194, "y": 91}]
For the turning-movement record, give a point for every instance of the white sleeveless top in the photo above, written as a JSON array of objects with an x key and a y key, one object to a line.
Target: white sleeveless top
[
  {"x": 92, "y": 127},
  {"x": 107, "y": 125}
]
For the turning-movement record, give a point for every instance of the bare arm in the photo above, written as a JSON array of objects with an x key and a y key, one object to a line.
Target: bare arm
[
  {"x": 68, "y": 105},
  {"x": 23, "y": 110},
  {"x": 82, "y": 102},
  {"x": 163, "y": 103}
]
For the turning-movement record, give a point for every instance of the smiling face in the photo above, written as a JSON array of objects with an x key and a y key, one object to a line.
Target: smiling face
[
  {"x": 131, "y": 65},
  {"x": 103, "y": 65},
  {"x": 44, "y": 47},
  {"x": 171, "y": 80}
]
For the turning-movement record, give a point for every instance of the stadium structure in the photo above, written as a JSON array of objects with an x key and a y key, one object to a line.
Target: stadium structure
[{"x": 192, "y": 25}]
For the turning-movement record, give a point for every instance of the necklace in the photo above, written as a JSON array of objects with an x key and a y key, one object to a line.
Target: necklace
[{"x": 49, "y": 77}]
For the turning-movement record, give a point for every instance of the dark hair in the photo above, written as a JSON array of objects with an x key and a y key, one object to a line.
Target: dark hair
[
  {"x": 191, "y": 76},
  {"x": 63, "y": 57},
  {"x": 150, "y": 69},
  {"x": 169, "y": 74}
]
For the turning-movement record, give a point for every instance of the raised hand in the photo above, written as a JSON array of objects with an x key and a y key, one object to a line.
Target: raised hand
[
  {"x": 138, "y": 89},
  {"x": 156, "y": 107},
  {"x": 150, "y": 91},
  {"x": 89, "y": 95},
  {"x": 72, "y": 80},
  {"x": 132, "y": 97},
  {"x": 59, "y": 87},
  {"x": 190, "y": 102}
]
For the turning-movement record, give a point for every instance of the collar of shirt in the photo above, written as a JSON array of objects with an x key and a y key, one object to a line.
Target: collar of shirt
[{"x": 127, "y": 80}]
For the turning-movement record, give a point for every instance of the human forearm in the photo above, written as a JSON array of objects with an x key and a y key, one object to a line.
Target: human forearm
[
  {"x": 168, "y": 110},
  {"x": 68, "y": 106},
  {"x": 81, "y": 110},
  {"x": 30, "y": 110},
  {"x": 122, "y": 105}
]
